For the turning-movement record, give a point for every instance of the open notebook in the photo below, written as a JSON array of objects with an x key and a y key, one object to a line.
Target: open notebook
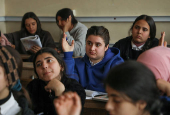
[
  {"x": 30, "y": 41},
  {"x": 95, "y": 95}
]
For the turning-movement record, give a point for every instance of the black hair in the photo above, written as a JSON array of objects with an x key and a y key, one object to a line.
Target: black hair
[
  {"x": 65, "y": 13},
  {"x": 99, "y": 31},
  {"x": 152, "y": 26},
  {"x": 33, "y": 16},
  {"x": 137, "y": 82},
  {"x": 53, "y": 53}
]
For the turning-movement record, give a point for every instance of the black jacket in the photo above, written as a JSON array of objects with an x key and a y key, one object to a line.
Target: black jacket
[
  {"x": 41, "y": 100},
  {"x": 126, "y": 51}
]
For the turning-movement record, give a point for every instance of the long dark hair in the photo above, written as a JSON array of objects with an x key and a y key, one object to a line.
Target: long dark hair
[
  {"x": 152, "y": 26},
  {"x": 53, "y": 53},
  {"x": 65, "y": 13},
  {"x": 137, "y": 82},
  {"x": 33, "y": 16}
]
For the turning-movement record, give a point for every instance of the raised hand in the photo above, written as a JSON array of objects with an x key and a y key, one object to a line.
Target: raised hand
[
  {"x": 56, "y": 86},
  {"x": 65, "y": 46},
  {"x": 68, "y": 104},
  {"x": 162, "y": 41}
]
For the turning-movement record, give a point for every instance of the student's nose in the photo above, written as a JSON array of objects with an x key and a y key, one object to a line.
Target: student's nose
[
  {"x": 140, "y": 30},
  {"x": 92, "y": 47},
  {"x": 109, "y": 106},
  {"x": 31, "y": 26},
  {"x": 45, "y": 65}
]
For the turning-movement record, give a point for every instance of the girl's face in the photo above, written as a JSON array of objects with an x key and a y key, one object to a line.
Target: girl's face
[
  {"x": 61, "y": 23},
  {"x": 95, "y": 48},
  {"x": 118, "y": 105},
  {"x": 4, "y": 90},
  {"x": 31, "y": 25},
  {"x": 47, "y": 67},
  {"x": 140, "y": 32}
]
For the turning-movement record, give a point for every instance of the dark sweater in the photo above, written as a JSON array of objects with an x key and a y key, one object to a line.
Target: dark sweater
[
  {"x": 126, "y": 51},
  {"x": 42, "y": 102},
  {"x": 14, "y": 38}
]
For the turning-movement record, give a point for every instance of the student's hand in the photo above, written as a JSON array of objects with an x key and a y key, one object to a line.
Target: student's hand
[
  {"x": 56, "y": 86},
  {"x": 65, "y": 46},
  {"x": 68, "y": 104},
  {"x": 67, "y": 25},
  {"x": 162, "y": 41},
  {"x": 35, "y": 49},
  {"x": 164, "y": 86},
  {"x": 13, "y": 46}
]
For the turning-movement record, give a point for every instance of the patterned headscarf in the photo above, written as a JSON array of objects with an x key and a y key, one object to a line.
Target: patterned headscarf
[
  {"x": 10, "y": 66},
  {"x": 158, "y": 60}
]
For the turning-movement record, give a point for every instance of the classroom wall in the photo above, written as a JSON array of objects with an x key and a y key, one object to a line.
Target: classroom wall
[
  {"x": 87, "y": 8},
  {"x": 2, "y": 14}
]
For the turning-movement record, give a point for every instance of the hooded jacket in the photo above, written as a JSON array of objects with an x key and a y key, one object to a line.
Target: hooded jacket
[{"x": 91, "y": 77}]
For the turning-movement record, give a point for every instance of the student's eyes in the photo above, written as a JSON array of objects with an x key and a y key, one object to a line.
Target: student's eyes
[
  {"x": 137, "y": 27},
  {"x": 116, "y": 101},
  {"x": 97, "y": 45},
  {"x": 38, "y": 64},
  {"x": 49, "y": 60},
  {"x": 89, "y": 43},
  {"x": 145, "y": 29}
]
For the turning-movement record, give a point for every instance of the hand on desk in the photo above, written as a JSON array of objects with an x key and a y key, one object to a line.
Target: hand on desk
[
  {"x": 56, "y": 86},
  {"x": 65, "y": 46},
  {"x": 68, "y": 104},
  {"x": 35, "y": 49},
  {"x": 162, "y": 41}
]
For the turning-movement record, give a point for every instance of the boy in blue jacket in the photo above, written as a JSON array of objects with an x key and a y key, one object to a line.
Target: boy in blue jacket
[{"x": 91, "y": 70}]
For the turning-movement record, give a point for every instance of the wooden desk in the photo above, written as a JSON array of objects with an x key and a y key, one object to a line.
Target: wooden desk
[
  {"x": 27, "y": 73},
  {"x": 25, "y": 56},
  {"x": 92, "y": 107}
]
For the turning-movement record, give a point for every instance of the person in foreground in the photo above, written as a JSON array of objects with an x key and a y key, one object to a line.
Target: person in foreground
[
  {"x": 158, "y": 60},
  {"x": 30, "y": 26},
  {"x": 74, "y": 30},
  {"x": 91, "y": 70},
  {"x": 14, "y": 99},
  {"x": 142, "y": 37},
  {"x": 52, "y": 81},
  {"x": 131, "y": 89}
]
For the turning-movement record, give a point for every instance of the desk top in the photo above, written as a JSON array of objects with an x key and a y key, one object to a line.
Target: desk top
[
  {"x": 28, "y": 65},
  {"x": 25, "y": 56}
]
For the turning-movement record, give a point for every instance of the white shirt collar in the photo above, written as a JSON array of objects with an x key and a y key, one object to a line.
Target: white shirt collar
[
  {"x": 10, "y": 107},
  {"x": 137, "y": 48},
  {"x": 92, "y": 64}
]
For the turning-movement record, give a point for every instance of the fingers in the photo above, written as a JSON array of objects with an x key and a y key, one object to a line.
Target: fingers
[
  {"x": 161, "y": 40},
  {"x": 35, "y": 49}
]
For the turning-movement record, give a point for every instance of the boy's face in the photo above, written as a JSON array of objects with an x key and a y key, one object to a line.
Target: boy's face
[
  {"x": 95, "y": 48},
  {"x": 3, "y": 83}
]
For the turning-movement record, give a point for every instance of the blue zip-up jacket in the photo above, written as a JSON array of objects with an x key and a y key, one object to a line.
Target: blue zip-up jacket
[{"x": 91, "y": 77}]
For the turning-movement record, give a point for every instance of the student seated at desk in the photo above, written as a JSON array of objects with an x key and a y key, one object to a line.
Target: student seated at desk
[
  {"x": 30, "y": 26},
  {"x": 143, "y": 32},
  {"x": 131, "y": 89},
  {"x": 13, "y": 97},
  {"x": 73, "y": 29},
  {"x": 52, "y": 81},
  {"x": 90, "y": 70},
  {"x": 158, "y": 60}
]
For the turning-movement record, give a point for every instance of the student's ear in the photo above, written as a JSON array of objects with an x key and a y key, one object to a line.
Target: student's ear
[
  {"x": 70, "y": 17},
  {"x": 106, "y": 47},
  {"x": 141, "y": 105}
]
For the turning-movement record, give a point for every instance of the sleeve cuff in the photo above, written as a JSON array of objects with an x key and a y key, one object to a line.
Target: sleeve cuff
[{"x": 68, "y": 55}]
